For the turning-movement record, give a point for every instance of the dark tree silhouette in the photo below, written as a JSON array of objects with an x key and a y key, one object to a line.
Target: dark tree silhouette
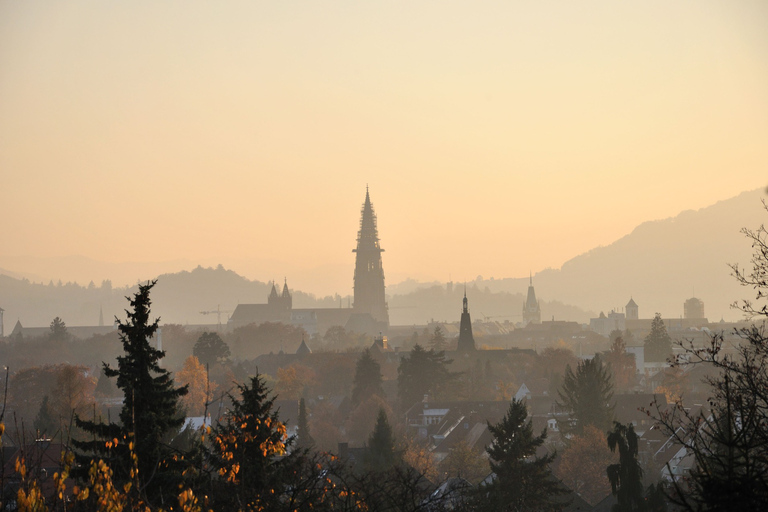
[
  {"x": 367, "y": 380},
  {"x": 420, "y": 373},
  {"x": 523, "y": 481},
  {"x": 210, "y": 349},
  {"x": 658, "y": 344},
  {"x": 45, "y": 423},
  {"x": 150, "y": 414},
  {"x": 304, "y": 437},
  {"x": 626, "y": 477},
  {"x": 381, "y": 454},
  {"x": 588, "y": 395},
  {"x": 58, "y": 330}
]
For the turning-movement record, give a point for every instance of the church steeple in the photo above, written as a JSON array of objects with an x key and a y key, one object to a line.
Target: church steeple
[
  {"x": 286, "y": 293},
  {"x": 285, "y": 299},
  {"x": 466, "y": 340},
  {"x": 531, "y": 308},
  {"x": 369, "y": 273}
]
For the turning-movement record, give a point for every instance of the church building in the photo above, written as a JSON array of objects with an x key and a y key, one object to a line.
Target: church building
[{"x": 368, "y": 314}]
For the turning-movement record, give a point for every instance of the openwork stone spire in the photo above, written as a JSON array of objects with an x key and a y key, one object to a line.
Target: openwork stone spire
[{"x": 369, "y": 273}]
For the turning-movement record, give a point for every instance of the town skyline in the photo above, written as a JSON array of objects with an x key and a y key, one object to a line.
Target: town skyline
[
  {"x": 248, "y": 133},
  {"x": 82, "y": 269}
]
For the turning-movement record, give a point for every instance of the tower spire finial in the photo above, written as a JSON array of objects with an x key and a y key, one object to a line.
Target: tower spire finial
[{"x": 530, "y": 277}]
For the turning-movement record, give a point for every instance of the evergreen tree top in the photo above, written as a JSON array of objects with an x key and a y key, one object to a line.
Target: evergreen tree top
[{"x": 150, "y": 412}]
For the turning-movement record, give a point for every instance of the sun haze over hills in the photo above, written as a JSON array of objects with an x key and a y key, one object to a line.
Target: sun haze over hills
[
  {"x": 497, "y": 137},
  {"x": 660, "y": 265}
]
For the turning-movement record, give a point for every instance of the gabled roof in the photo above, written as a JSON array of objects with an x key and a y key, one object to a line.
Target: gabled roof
[{"x": 631, "y": 303}]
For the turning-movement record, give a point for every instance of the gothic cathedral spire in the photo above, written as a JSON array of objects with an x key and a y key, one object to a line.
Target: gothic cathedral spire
[{"x": 369, "y": 273}]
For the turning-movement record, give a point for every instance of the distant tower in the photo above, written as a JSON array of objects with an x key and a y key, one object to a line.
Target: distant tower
[
  {"x": 101, "y": 317},
  {"x": 631, "y": 310},
  {"x": 531, "y": 308},
  {"x": 1, "y": 323},
  {"x": 369, "y": 274},
  {"x": 693, "y": 308},
  {"x": 274, "y": 298},
  {"x": 466, "y": 340},
  {"x": 285, "y": 298}
]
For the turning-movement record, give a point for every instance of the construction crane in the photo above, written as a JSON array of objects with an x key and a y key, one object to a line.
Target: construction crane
[
  {"x": 487, "y": 318},
  {"x": 218, "y": 312}
]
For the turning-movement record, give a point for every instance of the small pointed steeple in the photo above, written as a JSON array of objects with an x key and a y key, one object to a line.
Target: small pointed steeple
[
  {"x": 303, "y": 348},
  {"x": 286, "y": 293},
  {"x": 531, "y": 307},
  {"x": 466, "y": 340}
]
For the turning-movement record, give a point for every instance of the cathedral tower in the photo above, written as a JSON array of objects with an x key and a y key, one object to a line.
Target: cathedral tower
[{"x": 369, "y": 274}]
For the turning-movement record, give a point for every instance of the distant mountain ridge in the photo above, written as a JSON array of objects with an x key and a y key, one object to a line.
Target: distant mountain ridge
[
  {"x": 177, "y": 298},
  {"x": 659, "y": 264}
]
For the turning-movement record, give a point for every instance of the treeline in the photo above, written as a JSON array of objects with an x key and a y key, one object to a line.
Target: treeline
[{"x": 245, "y": 461}]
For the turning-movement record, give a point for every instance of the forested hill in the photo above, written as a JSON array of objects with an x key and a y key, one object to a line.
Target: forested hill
[
  {"x": 181, "y": 296},
  {"x": 178, "y": 298}
]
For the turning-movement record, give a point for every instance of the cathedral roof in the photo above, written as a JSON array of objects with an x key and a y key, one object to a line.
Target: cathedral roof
[{"x": 631, "y": 303}]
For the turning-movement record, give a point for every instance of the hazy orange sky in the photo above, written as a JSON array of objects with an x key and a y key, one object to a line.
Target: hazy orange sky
[{"x": 496, "y": 137}]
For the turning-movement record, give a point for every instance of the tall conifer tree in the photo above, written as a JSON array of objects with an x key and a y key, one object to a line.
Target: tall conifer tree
[
  {"x": 588, "y": 395},
  {"x": 658, "y": 343},
  {"x": 368, "y": 378},
  {"x": 150, "y": 414},
  {"x": 522, "y": 481},
  {"x": 304, "y": 437}
]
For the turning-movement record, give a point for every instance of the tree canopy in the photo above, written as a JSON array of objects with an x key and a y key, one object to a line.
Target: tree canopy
[
  {"x": 381, "y": 454},
  {"x": 420, "y": 373},
  {"x": 211, "y": 349},
  {"x": 368, "y": 378},
  {"x": 658, "y": 343},
  {"x": 522, "y": 480},
  {"x": 626, "y": 476},
  {"x": 588, "y": 396},
  {"x": 150, "y": 412}
]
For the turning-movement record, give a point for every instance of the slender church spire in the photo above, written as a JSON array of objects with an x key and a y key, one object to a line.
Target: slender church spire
[
  {"x": 531, "y": 308},
  {"x": 466, "y": 340},
  {"x": 369, "y": 273}
]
